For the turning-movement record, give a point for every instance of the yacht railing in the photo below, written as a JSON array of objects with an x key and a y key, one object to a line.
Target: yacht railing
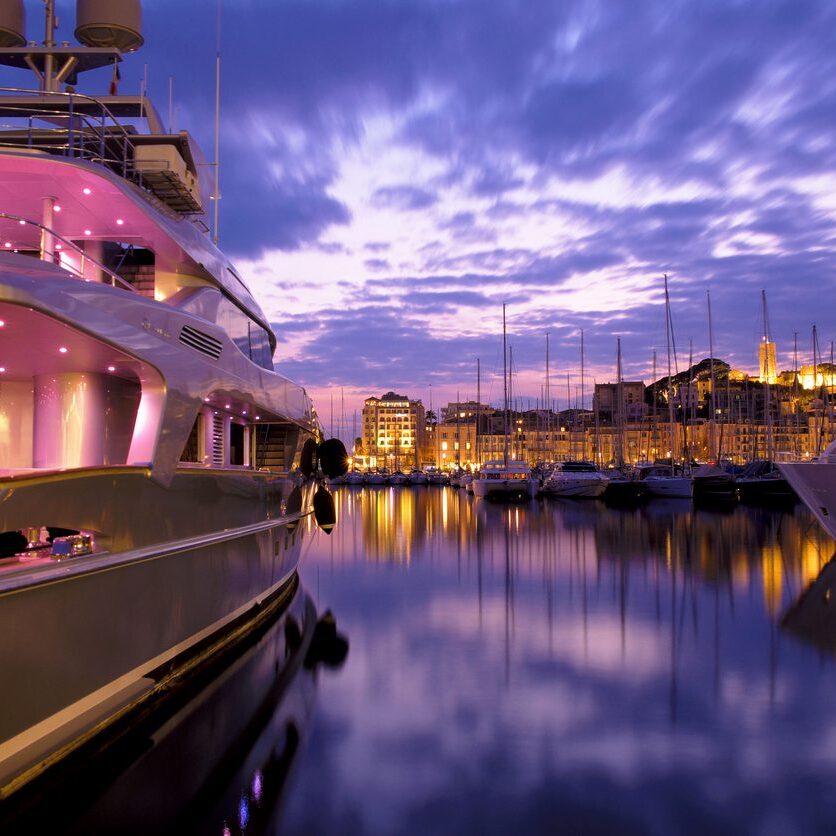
[
  {"x": 115, "y": 279},
  {"x": 67, "y": 124}
]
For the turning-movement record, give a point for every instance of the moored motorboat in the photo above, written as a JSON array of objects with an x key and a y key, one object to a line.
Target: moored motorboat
[
  {"x": 576, "y": 480},
  {"x": 711, "y": 483},
  {"x": 417, "y": 477},
  {"x": 762, "y": 483},
  {"x": 505, "y": 480},
  {"x": 624, "y": 490},
  {"x": 661, "y": 480}
]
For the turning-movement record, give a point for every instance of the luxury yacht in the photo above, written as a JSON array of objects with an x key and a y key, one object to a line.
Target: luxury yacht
[
  {"x": 155, "y": 469},
  {"x": 815, "y": 484}
]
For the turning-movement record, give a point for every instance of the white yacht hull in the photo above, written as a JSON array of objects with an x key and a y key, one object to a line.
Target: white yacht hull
[
  {"x": 815, "y": 484},
  {"x": 576, "y": 488},
  {"x": 83, "y": 638}
]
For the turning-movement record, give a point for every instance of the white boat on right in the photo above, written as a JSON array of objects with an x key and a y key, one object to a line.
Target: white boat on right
[{"x": 815, "y": 484}]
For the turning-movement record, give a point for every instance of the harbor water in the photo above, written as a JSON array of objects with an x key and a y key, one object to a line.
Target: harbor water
[
  {"x": 543, "y": 667},
  {"x": 568, "y": 667}
]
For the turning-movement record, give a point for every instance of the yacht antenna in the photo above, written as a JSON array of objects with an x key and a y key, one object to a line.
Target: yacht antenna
[
  {"x": 49, "y": 41},
  {"x": 171, "y": 104},
  {"x": 217, "y": 195}
]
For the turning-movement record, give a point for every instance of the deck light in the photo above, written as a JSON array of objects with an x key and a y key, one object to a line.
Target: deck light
[
  {"x": 58, "y": 247},
  {"x": 8, "y": 245},
  {"x": 86, "y": 190},
  {"x": 22, "y": 222},
  {"x": 56, "y": 208},
  {"x": 119, "y": 222},
  {"x": 226, "y": 406},
  {"x": 244, "y": 412},
  {"x": 2, "y": 323},
  {"x": 111, "y": 368},
  {"x": 87, "y": 232},
  {"x": 257, "y": 417},
  {"x": 206, "y": 400},
  {"x": 63, "y": 349},
  {"x": 2, "y": 369}
]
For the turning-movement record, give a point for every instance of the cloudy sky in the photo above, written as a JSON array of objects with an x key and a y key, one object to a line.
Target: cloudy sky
[{"x": 394, "y": 170}]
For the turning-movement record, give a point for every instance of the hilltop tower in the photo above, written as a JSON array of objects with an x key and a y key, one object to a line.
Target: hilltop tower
[{"x": 767, "y": 363}]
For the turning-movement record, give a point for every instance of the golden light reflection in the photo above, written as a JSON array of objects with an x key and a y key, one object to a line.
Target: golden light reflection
[
  {"x": 772, "y": 569},
  {"x": 581, "y": 549}
]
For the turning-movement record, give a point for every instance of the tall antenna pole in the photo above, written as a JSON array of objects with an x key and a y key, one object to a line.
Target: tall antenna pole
[
  {"x": 217, "y": 195},
  {"x": 171, "y": 104}
]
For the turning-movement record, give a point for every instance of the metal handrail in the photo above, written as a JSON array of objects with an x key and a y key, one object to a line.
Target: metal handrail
[
  {"x": 115, "y": 280},
  {"x": 96, "y": 125}
]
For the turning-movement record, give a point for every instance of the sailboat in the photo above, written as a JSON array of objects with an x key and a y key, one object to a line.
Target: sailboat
[
  {"x": 761, "y": 482},
  {"x": 620, "y": 489},
  {"x": 505, "y": 479},
  {"x": 663, "y": 480}
]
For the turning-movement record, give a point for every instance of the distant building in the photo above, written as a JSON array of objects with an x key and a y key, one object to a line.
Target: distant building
[
  {"x": 393, "y": 431},
  {"x": 605, "y": 401}
]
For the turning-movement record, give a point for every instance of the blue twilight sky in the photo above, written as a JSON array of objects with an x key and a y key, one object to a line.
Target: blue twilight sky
[{"x": 393, "y": 170}]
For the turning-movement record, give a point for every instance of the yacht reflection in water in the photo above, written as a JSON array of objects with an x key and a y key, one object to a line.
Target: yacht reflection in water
[{"x": 215, "y": 755}]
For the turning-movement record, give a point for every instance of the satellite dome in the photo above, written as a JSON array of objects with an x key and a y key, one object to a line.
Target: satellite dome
[{"x": 110, "y": 23}]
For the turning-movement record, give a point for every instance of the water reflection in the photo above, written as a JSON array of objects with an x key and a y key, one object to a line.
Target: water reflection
[{"x": 570, "y": 666}]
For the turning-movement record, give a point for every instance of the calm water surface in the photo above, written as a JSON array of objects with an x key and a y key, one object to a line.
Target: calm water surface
[{"x": 561, "y": 667}]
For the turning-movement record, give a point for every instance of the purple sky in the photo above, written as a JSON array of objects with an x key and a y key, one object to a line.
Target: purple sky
[{"x": 393, "y": 171}]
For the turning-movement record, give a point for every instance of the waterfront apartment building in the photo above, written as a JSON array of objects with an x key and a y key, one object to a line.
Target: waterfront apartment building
[{"x": 393, "y": 432}]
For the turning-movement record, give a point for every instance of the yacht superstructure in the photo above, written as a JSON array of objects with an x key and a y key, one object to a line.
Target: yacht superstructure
[{"x": 153, "y": 473}]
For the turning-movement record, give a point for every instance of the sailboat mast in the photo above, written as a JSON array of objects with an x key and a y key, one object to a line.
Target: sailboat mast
[
  {"x": 583, "y": 423},
  {"x": 547, "y": 400},
  {"x": 671, "y": 421},
  {"x": 505, "y": 385},
  {"x": 770, "y": 451},
  {"x": 619, "y": 419},
  {"x": 512, "y": 423},
  {"x": 478, "y": 411},
  {"x": 712, "y": 429}
]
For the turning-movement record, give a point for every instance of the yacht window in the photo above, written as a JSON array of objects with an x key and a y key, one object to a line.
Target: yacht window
[
  {"x": 236, "y": 443},
  {"x": 191, "y": 452},
  {"x": 252, "y": 340}
]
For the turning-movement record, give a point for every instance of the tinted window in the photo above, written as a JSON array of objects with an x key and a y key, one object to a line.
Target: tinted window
[{"x": 252, "y": 340}]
